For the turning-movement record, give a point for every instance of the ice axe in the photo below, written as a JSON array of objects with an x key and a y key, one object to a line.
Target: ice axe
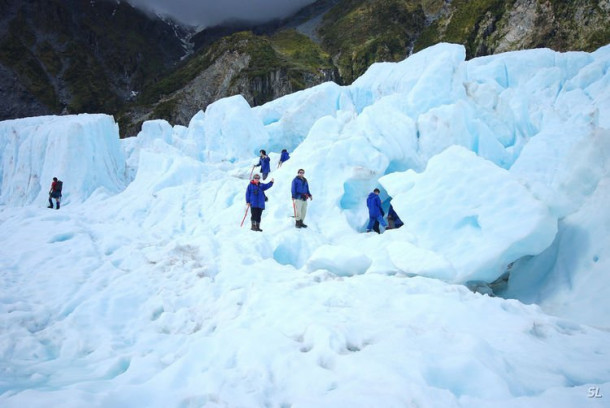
[{"x": 243, "y": 219}]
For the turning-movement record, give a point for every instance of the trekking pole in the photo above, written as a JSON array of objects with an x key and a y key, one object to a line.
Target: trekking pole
[
  {"x": 252, "y": 172},
  {"x": 242, "y": 221},
  {"x": 294, "y": 207}
]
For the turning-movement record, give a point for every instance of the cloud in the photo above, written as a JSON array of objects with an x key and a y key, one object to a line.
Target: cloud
[{"x": 206, "y": 13}]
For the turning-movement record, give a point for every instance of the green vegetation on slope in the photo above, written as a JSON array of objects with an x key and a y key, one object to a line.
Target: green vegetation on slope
[
  {"x": 301, "y": 51},
  {"x": 579, "y": 24},
  {"x": 359, "y": 33},
  {"x": 463, "y": 25}
]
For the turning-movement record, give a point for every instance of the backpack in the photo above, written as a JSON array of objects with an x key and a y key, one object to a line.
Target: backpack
[{"x": 58, "y": 185}]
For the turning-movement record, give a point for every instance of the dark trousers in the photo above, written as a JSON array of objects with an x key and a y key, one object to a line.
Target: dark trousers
[
  {"x": 256, "y": 214},
  {"x": 376, "y": 227}
]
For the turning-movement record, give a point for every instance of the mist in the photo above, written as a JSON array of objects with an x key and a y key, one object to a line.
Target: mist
[{"x": 208, "y": 13}]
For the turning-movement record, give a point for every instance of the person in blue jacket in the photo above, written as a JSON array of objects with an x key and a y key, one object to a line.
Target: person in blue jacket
[
  {"x": 373, "y": 202},
  {"x": 255, "y": 198},
  {"x": 300, "y": 195},
  {"x": 264, "y": 163},
  {"x": 283, "y": 157}
]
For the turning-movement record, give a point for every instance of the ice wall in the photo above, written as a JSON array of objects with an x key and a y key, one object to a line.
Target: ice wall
[{"x": 83, "y": 151}]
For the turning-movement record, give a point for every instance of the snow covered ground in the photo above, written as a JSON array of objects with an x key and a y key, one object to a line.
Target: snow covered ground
[{"x": 144, "y": 291}]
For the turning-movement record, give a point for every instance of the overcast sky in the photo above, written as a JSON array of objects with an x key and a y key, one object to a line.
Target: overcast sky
[{"x": 211, "y": 12}]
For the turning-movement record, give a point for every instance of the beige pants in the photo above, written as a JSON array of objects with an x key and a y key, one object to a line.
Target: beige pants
[{"x": 301, "y": 209}]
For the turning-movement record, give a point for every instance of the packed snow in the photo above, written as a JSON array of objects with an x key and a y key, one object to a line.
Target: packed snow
[{"x": 145, "y": 290}]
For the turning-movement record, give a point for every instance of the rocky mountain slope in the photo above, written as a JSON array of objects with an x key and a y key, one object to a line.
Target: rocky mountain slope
[
  {"x": 79, "y": 55},
  {"x": 85, "y": 56}
]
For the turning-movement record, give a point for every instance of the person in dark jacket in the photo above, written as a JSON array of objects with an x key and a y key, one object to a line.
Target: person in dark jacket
[
  {"x": 393, "y": 220},
  {"x": 264, "y": 162},
  {"x": 255, "y": 198},
  {"x": 283, "y": 157},
  {"x": 55, "y": 192},
  {"x": 300, "y": 195},
  {"x": 373, "y": 202}
]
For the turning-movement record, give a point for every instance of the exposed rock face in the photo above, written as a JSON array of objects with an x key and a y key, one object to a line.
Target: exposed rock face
[
  {"x": 226, "y": 77},
  {"x": 525, "y": 23},
  {"x": 210, "y": 85},
  {"x": 560, "y": 25},
  {"x": 246, "y": 65}
]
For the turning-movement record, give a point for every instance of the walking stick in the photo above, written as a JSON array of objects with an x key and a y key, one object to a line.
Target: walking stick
[
  {"x": 252, "y": 172},
  {"x": 242, "y": 221},
  {"x": 294, "y": 207}
]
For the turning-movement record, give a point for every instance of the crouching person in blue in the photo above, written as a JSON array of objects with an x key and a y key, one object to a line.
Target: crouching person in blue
[
  {"x": 393, "y": 220},
  {"x": 373, "y": 202},
  {"x": 255, "y": 198}
]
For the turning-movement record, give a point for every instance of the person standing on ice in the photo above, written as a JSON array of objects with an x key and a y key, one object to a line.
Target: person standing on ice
[
  {"x": 283, "y": 157},
  {"x": 265, "y": 164},
  {"x": 55, "y": 192},
  {"x": 373, "y": 202},
  {"x": 255, "y": 198},
  {"x": 300, "y": 195}
]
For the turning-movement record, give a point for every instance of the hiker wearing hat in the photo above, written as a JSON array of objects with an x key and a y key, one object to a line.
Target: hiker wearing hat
[
  {"x": 300, "y": 195},
  {"x": 265, "y": 164},
  {"x": 255, "y": 198}
]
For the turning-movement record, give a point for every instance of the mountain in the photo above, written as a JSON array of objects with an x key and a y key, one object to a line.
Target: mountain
[
  {"x": 259, "y": 67},
  {"x": 104, "y": 56},
  {"x": 80, "y": 55}
]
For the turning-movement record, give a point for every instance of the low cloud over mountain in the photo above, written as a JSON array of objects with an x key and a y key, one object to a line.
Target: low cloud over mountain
[{"x": 208, "y": 13}]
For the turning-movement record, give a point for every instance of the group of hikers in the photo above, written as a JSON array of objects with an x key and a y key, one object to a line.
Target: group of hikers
[
  {"x": 255, "y": 193},
  {"x": 256, "y": 198}
]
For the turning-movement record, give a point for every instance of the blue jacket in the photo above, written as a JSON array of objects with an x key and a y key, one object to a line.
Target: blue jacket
[
  {"x": 300, "y": 188},
  {"x": 284, "y": 157},
  {"x": 255, "y": 195},
  {"x": 374, "y": 203},
  {"x": 264, "y": 162}
]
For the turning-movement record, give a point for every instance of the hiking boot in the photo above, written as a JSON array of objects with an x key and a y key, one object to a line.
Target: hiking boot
[
  {"x": 50, "y": 206},
  {"x": 298, "y": 224},
  {"x": 303, "y": 224},
  {"x": 258, "y": 227},
  {"x": 57, "y": 208},
  {"x": 253, "y": 228}
]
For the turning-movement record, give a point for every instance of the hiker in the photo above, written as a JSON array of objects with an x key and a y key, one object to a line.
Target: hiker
[
  {"x": 55, "y": 192},
  {"x": 283, "y": 157},
  {"x": 393, "y": 220},
  {"x": 264, "y": 163},
  {"x": 255, "y": 198},
  {"x": 300, "y": 194},
  {"x": 373, "y": 202}
]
